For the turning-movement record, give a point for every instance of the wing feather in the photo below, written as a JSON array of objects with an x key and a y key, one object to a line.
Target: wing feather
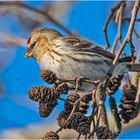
[{"x": 86, "y": 46}]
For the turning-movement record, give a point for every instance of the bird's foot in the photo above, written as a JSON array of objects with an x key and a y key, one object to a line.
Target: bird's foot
[
  {"x": 86, "y": 80},
  {"x": 78, "y": 82}
]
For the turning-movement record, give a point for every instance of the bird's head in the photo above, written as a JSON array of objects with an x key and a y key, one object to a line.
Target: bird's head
[{"x": 40, "y": 41}]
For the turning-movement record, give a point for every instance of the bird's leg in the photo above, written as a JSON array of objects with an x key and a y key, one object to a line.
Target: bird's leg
[
  {"x": 85, "y": 80},
  {"x": 78, "y": 82},
  {"x": 92, "y": 82},
  {"x": 74, "y": 83}
]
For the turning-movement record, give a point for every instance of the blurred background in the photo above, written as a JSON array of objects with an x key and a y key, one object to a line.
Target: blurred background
[{"x": 19, "y": 117}]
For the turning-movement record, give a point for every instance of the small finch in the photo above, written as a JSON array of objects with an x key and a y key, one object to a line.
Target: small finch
[{"x": 68, "y": 56}]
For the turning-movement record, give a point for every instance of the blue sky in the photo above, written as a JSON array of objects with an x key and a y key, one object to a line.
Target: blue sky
[{"x": 19, "y": 75}]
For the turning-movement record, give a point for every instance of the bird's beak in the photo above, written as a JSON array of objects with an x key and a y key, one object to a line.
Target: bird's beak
[{"x": 28, "y": 54}]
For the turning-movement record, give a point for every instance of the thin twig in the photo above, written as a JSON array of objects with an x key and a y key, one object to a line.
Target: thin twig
[
  {"x": 137, "y": 35},
  {"x": 61, "y": 99},
  {"x": 83, "y": 80},
  {"x": 119, "y": 34},
  {"x": 129, "y": 19},
  {"x": 130, "y": 31},
  {"x": 107, "y": 23},
  {"x": 135, "y": 32},
  {"x": 73, "y": 110},
  {"x": 11, "y": 40}
]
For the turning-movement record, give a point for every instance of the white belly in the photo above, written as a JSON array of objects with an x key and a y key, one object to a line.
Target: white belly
[{"x": 69, "y": 69}]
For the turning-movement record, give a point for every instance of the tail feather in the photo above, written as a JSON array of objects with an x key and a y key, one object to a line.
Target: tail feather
[
  {"x": 126, "y": 59},
  {"x": 134, "y": 67}
]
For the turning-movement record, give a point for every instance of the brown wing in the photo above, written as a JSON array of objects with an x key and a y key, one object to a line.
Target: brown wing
[{"x": 86, "y": 46}]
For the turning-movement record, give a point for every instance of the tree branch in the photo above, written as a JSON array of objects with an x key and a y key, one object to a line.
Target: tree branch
[
  {"x": 11, "y": 40},
  {"x": 45, "y": 14},
  {"x": 130, "y": 31},
  {"x": 114, "y": 111},
  {"x": 119, "y": 34},
  {"x": 107, "y": 23}
]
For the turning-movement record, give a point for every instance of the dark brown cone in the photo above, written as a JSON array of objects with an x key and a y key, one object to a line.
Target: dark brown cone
[
  {"x": 73, "y": 97},
  {"x": 51, "y": 97},
  {"x": 80, "y": 123},
  {"x": 129, "y": 92},
  {"x": 114, "y": 84},
  {"x": 48, "y": 76},
  {"x": 128, "y": 106},
  {"x": 70, "y": 100},
  {"x": 62, "y": 118},
  {"x": 60, "y": 88},
  {"x": 103, "y": 132},
  {"x": 51, "y": 136},
  {"x": 46, "y": 97},
  {"x": 38, "y": 93},
  {"x": 83, "y": 106},
  {"x": 45, "y": 109}
]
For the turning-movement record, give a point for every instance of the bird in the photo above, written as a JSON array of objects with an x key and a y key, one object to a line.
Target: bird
[{"x": 68, "y": 56}]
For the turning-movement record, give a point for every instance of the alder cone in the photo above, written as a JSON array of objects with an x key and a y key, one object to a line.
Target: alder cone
[
  {"x": 48, "y": 76},
  {"x": 38, "y": 93},
  {"x": 114, "y": 84},
  {"x": 70, "y": 100},
  {"x": 103, "y": 132},
  {"x": 84, "y": 104},
  {"x": 128, "y": 106},
  {"x": 63, "y": 115},
  {"x": 80, "y": 123},
  {"x": 45, "y": 109}
]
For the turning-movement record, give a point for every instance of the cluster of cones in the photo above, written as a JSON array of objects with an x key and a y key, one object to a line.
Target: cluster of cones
[{"x": 79, "y": 121}]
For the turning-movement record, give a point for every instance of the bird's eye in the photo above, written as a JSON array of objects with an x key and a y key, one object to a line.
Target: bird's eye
[{"x": 32, "y": 45}]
